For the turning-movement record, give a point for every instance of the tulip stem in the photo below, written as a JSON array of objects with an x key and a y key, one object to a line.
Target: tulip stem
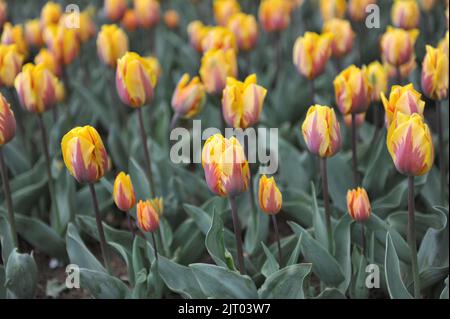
[
  {"x": 441, "y": 150},
  {"x": 277, "y": 235},
  {"x": 237, "y": 234},
  {"x": 326, "y": 200},
  {"x": 155, "y": 246},
  {"x": 101, "y": 233},
  {"x": 148, "y": 162},
  {"x": 130, "y": 225},
  {"x": 8, "y": 199},
  {"x": 174, "y": 121},
  {"x": 412, "y": 237},
  {"x": 354, "y": 152},
  {"x": 363, "y": 239},
  {"x": 398, "y": 75}
]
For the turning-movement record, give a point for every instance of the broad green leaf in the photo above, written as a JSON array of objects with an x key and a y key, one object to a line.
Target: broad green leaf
[
  {"x": 320, "y": 229},
  {"x": 20, "y": 276},
  {"x": 295, "y": 252},
  {"x": 444, "y": 293},
  {"x": 330, "y": 293},
  {"x": 340, "y": 180},
  {"x": 201, "y": 218},
  {"x": 431, "y": 276},
  {"x": 2, "y": 282},
  {"x": 270, "y": 265},
  {"x": 215, "y": 244},
  {"x": 101, "y": 285},
  {"x": 6, "y": 240},
  {"x": 188, "y": 242},
  {"x": 342, "y": 249}
]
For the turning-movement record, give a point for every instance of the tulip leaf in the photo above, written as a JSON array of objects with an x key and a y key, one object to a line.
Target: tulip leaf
[
  {"x": 342, "y": 249},
  {"x": 270, "y": 265},
  {"x": 215, "y": 244},
  {"x": 20, "y": 276},
  {"x": 6, "y": 240},
  {"x": 201, "y": 218},
  {"x": 101, "y": 285},
  {"x": 188, "y": 242},
  {"x": 295, "y": 252},
  {"x": 444, "y": 293},
  {"x": 331, "y": 293},
  {"x": 340, "y": 180},
  {"x": 2, "y": 282},
  {"x": 432, "y": 276},
  {"x": 320, "y": 230},
  {"x": 297, "y": 205}
]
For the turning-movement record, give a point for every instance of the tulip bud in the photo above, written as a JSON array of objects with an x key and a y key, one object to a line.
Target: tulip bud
[
  {"x": 147, "y": 12},
  {"x": 10, "y": 64},
  {"x": 435, "y": 74},
  {"x": 216, "y": 66},
  {"x": 33, "y": 33},
  {"x": 3, "y": 12},
  {"x": 245, "y": 29},
  {"x": 84, "y": 154},
  {"x": 219, "y": 38},
  {"x": 359, "y": 119},
  {"x": 171, "y": 19},
  {"x": 115, "y": 9},
  {"x": 443, "y": 44},
  {"x": 352, "y": 90},
  {"x": 357, "y": 9},
  {"x": 410, "y": 144},
  {"x": 189, "y": 97},
  {"x": 36, "y": 88},
  {"x": 62, "y": 42},
  {"x": 135, "y": 79},
  {"x": 242, "y": 102},
  {"x": 274, "y": 15},
  {"x": 397, "y": 46},
  {"x": 358, "y": 205},
  {"x": 331, "y": 9},
  {"x": 50, "y": 14},
  {"x": 124, "y": 192},
  {"x": 224, "y": 9},
  {"x": 321, "y": 131},
  {"x": 7, "y": 122},
  {"x": 311, "y": 53},
  {"x": 403, "y": 99},
  {"x": 343, "y": 36},
  {"x": 197, "y": 31},
  {"x": 112, "y": 44},
  {"x": 129, "y": 20},
  {"x": 405, "y": 14},
  {"x": 378, "y": 79},
  {"x": 148, "y": 214},
  {"x": 48, "y": 59},
  {"x": 15, "y": 35},
  {"x": 226, "y": 168},
  {"x": 270, "y": 197}
]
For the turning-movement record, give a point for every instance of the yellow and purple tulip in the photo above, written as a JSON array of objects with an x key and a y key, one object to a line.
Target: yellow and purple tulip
[
  {"x": 10, "y": 64},
  {"x": 378, "y": 79},
  {"x": 410, "y": 144},
  {"x": 245, "y": 29},
  {"x": 405, "y": 14},
  {"x": 274, "y": 15},
  {"x": 321, "y": 131},
  {"x": 115, "y": 9},
  {"x": 352, "y": 90},
  {"x": 148, "y": 214},
  {"x": 311, "y": 53},
  {"x": 123, "y": 193},
  {"x": 197, "y": 31},
  {"x": 171, "y": 19},
  {"x": 343, "y": 36},
  {"x": 216, "y": 66},
  {"x": 50, "y": 14},
  {"x": 358, "y": 205},
  {"x": 86, "y": 28},
  {"x": 112, "y": 44},
  {"x": 242, "y": 102},
  {"x": 397, "y": 46},
  {"x": 224, "y": 9},
  {"x": 189, "y": 97},
  {"x": 84, "y": 154},
  {"x": 331, "y": 9},
  {"x": 13, "y": 34},
  {"x": 33, "y": 33},
  {"x": 226, "y": 168},
  {"x": 7, "y": 122},
  {"x": 435, "y": 74},
  {"x": 147, "y": 12},
  {"x": 357, "y": 9},
  {"x": 49, "y": 60},
  {"x": 62, "y": 42},
  {"x": 219, "y": 38},
  {"x": 270, "y": 197}
]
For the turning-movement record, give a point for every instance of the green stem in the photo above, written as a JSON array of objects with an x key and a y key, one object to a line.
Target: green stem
[
  {"x": 363, "y": 239},
  {"x": 8, "y": 199},
  {"x": 412, "y": 237},
  {"x": 326, "y": 201},
  {"x": 237, "y": 234},
  {"x": 155, "y": 247},
  {"x": 277, "y": 234},
  {"x": 147, "y": 158}
]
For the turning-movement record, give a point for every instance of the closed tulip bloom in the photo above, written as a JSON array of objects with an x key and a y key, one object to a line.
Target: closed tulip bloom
[
  {"x": 410, "y": 144},
  {"x": 171, "y": 19},
  {"x": 129, "y": 20},
  {"x": 189, "y": 97},
  {"x": 270, "y": 197},
  {"x": 242, "y": 102},
  {"x": 435, "y": 74},
  {"x": 397, "y": 46},
  {"x": 216, "y": 66},
  {"x": 358, "y": 204},
  {"x": 115, "y": 9},
  {"x": 443, "y": 44},
  {"x": 403, "y": 99},
  {"x": 405, "y": 14},
  {"x": 33, "y": 33},
  {"x": 403, "y": 71},
  {"x": 36, "y": 88},
  {"x": 86, "y": 28},
  {"x": 357, "y": 9},
  {"x": 7, "y": 122},
  {"x": 148, "y": 213},
  {"x": 49, "y": 60},
  {"x": 343, "y": 36},
  {"x": 359, "y": 119},
  {"x": 245, "y": 29},
  {"x": 274, "y": 15},
  {"x": 224, "y": 9},
  {"x": 15, "y": 35},
  {"x": 3, "y": 12},
  {"x": 226, "y": 168},
  {"x": 197, "y": 31},
  {"x": 330, "y": 9},
  {"x": 123, "y": 194},
  {"x": 219, "y": 38},
  {"x": 378, "y": 79},
  {"x": 352, "y": 90},
  {"x": 311, "y": 53},
  {"x": 63, "y": 42},
  {"x": 112, "y": 44},
  {"x": 135, "y": 79},
  {"x": 321, "y": 131},
  {"x": 147, "y": 12},
  {"x": 84, "y": 154},
  {"x": 51, "y": 13},
  {"x": 10, "y": 64}
]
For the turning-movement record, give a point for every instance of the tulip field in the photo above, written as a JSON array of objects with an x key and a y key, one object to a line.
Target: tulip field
[{"x": 224, "y": 149}]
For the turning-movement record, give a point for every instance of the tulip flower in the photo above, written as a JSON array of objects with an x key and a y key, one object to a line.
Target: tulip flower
[
  {"x": 86, "y": 28},
  {"x": 359, "y": 209},
  {"x": 242, "y": 102},
  {"x": 10, "y": 64},
  {"x": 245, "y": 29},
  {"x": 112, "y": 44},
  {"x": 216, "y": 66},
  {"x": 359, "y": 119},
  {"x": 343, "y": 36},
  {"x": 62, "y": 42},
  {"x": 123, "y": 194},
  {"x": 47, "y": 58},
  {"x": 33, "y": 33},
  {"x": 188, "y": 99},
  {"x": 219, "y": 38},
  {"x": 378, "y": 79},
  {"x": 15, "y": 35},
  {"x": 357, "y": 9},
  {"x": 443, "y": 44},
  {"x": 129, "y": 20},
  {"x": 147, "y": 12},
  {"x": 7, "y": 122},
  {"x": 50, "y": 14},
  {"x": 171, "y": 19},
  {"x": 148, "y": 214},
  {"x": 115, "y": 9},
  {"x": 3, "y": 12},
  {"x": 274, "y": 15},
  {"x": 330, "y": 9},
  {"x": 224, "y": 9},
  {"x": 405, "y": 14},
  {"x": 197, "y": 31}
]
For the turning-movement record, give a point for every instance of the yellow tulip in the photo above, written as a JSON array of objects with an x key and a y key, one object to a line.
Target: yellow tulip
[
  {"x": 378, "y": 79},
  {"x": 33, "y": 33},
  {"x": 358, "y": 205},
  {"x": 357, "y": 9},
  {"x": 270, "y": 197},
  {"x": 245, "y": 29},
  {"x": 343, "y": 36},
  {"x": 197, "y": 31},
  {"x": 51, "y": 13},
  {"x": 405, "y": 14},
  {"x": 171, "y": 19},
  {"x": 216, "y": 66},
  {"x": 443, "y": 44},
  {"x": 330, "y": 9},
  {"x": 147, "y": 12},
  {"x": 49, "y": 60},
  {"x": 7, "y": 122},
  {"x": 397, "y": 46},
  {"x": 359, "y": 119},
  {"x": 115, "y": 9},
  {"x": 112, "y": 44},
  {"x": 224, "y": 9},
  {"x": 10, "y": 64},
  {"x": 435, "y": 74},
  {"x": 63, "y": 42},
  {"x": 123, "y": 193},
  {"x": 189, "y": 97},
  {"x": 129, "y": 20},
  {"x": 274, "y": 15},
  {"x": 219, "y": 38}
]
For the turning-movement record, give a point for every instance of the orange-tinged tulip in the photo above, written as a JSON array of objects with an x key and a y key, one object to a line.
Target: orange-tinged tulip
[
  {"x": 435, "y": 74},
  {"x": 378, "y": 79},
  {"x": 63, "y": 42},
  {"x": 171, "y": 19},
  {"x": 33, "y": 33},
  {"x": 270, "y": 197},
  {"x": 330, "y": 9},
  {"x": 36, "y": 88},
  {"x": 358, "y": 204},
  {"x": 403, "y": 99},
  {"x": 216, "y": 66},
  {"x": 242, "y": 102},
  {"x": 224, "y": 9},
  {"x": 219, "y": 38},
  {"x": 51, "y": 13},
  {"x": 321, "y": 131},
  {"x": 443, "y": 44},
  {"x": 148, "y": 214},
  {"x": 357, "y": 9},
  {"x": 226, "y": 168},
  {"x": 410, "y": 144},
  {"x": 352, "y": 90},
  {"x": 189, "y": 97},
  {"x": 197, "y": 31},
  {"x": 115, "y": 9},
  {"x": 15, "y": 35},
  {"x": 274, "y": 15},
  {"x": 147, "y": 12},
  {"x": 123, "y": 194},
  {"x": 129, "y": 20},
  {"x": 311, "y": 53},
  {"x": 136, "y": 79},
  {"x": 84, "y": 154},
  {"x": 3, "y": 12},
  {"x": 397, "y": 46},
  {"x": 49, "y": 60},
  {"x": 405, "y": 14},
  {"x": 10, "y": 64},
  {"x": 7, "y": 122},
  {"x": 245, "y": 29},
  {"x": 359, "y": 119},
  {"x": 112, "y": 44},
  {"x": 343, "y": 36}
]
